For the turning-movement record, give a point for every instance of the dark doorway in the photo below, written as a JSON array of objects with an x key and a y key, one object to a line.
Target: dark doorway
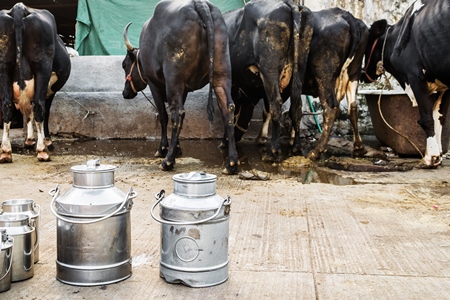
[{"x": 65, "y": 12}]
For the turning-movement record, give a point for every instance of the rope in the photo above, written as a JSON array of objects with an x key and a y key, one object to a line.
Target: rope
[
  {"x": 88, "y": 112},
  {"x": 384, "y": 120},
  {"x": 148, "y": 99}
]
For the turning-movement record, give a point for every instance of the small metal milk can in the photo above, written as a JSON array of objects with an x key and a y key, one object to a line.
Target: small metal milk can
[
  {"x": 26, "y": 207},
  {"x": 194, "y": 231},
  {"x": 6, "y": 256},
  {"x": 93, "y": 228},
  {"x": 21, "y": 228}
]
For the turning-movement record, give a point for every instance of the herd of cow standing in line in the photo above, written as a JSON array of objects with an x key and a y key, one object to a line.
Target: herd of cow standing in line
[{"x": 269, "y": 50}]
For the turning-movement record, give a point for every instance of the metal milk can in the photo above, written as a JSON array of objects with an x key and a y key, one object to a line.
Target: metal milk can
[
  {"x": 93, "y": 228},
  {"x": 194, "y": 231},
  {"x": 21, "y": 228},
  {"x": 26, "y": 207},
  {"x": 6, "y": 255}
]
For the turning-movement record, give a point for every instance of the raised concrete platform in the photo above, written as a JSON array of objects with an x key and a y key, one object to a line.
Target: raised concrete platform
[{"x": 91, "y": 105}]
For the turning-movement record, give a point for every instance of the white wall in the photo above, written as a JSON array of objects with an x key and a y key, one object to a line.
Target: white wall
[{"x": 366, "y": 10}]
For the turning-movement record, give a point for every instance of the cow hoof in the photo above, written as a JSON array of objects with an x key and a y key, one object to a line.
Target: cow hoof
[
  {"x": 260, "y": 141},
  {"x": 48, "y": 143},
  {"x": 43, "y": 156},
  {"x": 436, "y": 160},
  {"x": 166, "y": 166},
  {"x": 231, "y": 170},
  {"x": 359, "y": 152},
  {"x": 313, "y": 155},
  {"x": 423, "y": 165},
  {"x": 5, "y": 158},
  {"x": 296, "y": 150},
  {"x": 29, "y": 143},
  {"x": 160, "y": 153}
]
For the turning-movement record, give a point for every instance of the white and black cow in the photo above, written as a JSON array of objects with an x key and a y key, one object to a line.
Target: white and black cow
[
  {"x": 183, "y": 47},
  {"x": 333, "y": 71},
  {"x": 34, "y": 65},
  {"x": 416, "y": 52}
]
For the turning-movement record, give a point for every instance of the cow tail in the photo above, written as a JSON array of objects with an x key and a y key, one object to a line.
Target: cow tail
[
  {"x": 296, "y": 87},
  {"x": 202, "y": 9},
  {"x": 20, "y": 12},
  {"x": 306, "y": 34},
  {"x": 356, "y": 32},
  {"x": 303, "y": 31}
]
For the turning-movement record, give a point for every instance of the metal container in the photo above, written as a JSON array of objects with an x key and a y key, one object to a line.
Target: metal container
[
  {"x": 194, "y": 231},
  {"x": 93, "y": 228},
  {"x": 26, "y": 207},
  {"x": 6, "y": 256},
  {"x": 21, "y": 228},
  {"x": 401, "y": 132}
]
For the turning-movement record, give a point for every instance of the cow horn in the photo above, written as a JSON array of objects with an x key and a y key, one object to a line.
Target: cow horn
[{"x": 125, "y": 37}]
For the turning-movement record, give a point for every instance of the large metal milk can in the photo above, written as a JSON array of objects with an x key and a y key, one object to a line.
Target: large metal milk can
[
  {"x": 26, "y": 207},
  {"x": 93, "y": 228},
  {"x": 6, "y": 255},
  {"x": 194, "y": 231},
  {"x": 21, "y": 228}
]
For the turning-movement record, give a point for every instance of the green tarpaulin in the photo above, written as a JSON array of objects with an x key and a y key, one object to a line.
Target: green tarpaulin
[{"x": 100, "y": 23}]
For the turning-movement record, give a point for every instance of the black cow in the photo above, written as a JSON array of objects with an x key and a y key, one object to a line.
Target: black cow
[
  {"x": 34, "y": 65},
  {"x": 332, "y": 71},
  {"x": 268, "y": 40},
  {"x": 415, "y": 52},
  {"x": 182, "y": 47}
]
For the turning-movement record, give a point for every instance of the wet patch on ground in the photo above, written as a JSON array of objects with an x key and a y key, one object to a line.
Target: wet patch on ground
[{"x": 206, "y": 154}]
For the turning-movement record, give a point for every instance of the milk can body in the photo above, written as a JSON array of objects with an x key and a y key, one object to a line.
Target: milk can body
[
  {"x": 93, "y": 228},
  {"x": 26, "y": 207},
  {"x": 20, "y": 227},
  {"x": 194, "y": 231},
  {"x": 6, "y": 255}
]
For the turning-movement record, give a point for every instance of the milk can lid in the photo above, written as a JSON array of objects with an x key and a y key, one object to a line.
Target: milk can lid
[
  {"x": 194, "y": 177},
  {"x": 93, "y": 166}
]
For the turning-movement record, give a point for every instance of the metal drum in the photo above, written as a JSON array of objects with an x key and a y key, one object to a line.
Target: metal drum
[
  {"x": 194, "y": 231},
  {"x": 6, "y": 255},
  {"x": 93, "y": 228},
  {"x": 26, "y": 207},
  {"x": 21, "y": 228}
]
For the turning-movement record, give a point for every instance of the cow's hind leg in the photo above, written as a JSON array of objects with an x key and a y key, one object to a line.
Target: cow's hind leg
[
  {"x": 273, "y": 155},
  {"x": 227, "y": 107},
  {"x": 432, "y": 157},
  {"x": 39, "y": 109},
  {"x": 295, "y": 114},
  {"x": 442, "y": 116},
  {"x": 358, "y": 146},
  {"x": 30, "y": 141},
  {"x": 329, "y": 115},
  {"x": 47, "y": 139},
  {"x": 41, "y": 148},
  {"x": 177, "y": 114},
  {"x": 159, "y": 96},
  {"x": 6, "y": 156}
]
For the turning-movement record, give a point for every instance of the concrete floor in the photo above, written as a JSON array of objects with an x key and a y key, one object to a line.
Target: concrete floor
[{"x": 384, "y": 237}]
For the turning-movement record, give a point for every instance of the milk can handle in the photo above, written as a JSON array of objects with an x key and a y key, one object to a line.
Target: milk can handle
[
  {"x": 160, "y": 196},
  {"x": 54, "y": 193},
  {"x": 36, "y": 245},
  {"x": 10, "y": 261}
]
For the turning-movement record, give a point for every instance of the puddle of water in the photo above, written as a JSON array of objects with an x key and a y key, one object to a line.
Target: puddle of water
[{"x": 207, "y": 151}]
